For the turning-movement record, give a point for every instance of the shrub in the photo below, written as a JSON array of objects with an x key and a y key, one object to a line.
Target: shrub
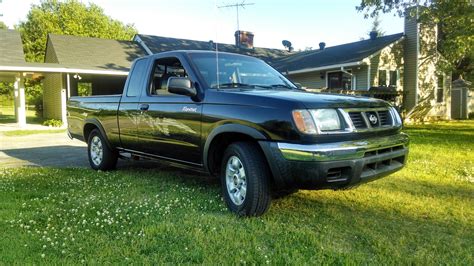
[{"x": 53, "y": 123}]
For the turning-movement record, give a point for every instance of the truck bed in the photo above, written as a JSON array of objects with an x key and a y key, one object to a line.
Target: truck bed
[{"x": 102, "y": 109}]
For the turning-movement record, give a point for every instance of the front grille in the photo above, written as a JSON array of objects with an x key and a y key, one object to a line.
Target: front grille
[
  {"x": 385, "y": 118},
  {"x": 367, "y": 119},
  {"x": 357, "y": 119},
  {"x": 382, "y": 151}
]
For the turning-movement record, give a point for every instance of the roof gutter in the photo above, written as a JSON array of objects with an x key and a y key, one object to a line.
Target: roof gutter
[
  {"x": 306, "y": 70},
  {"x": 61, "y": 70}
]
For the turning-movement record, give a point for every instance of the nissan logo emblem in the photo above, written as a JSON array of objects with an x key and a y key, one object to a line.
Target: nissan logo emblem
[{"x": 373, "y": 119}]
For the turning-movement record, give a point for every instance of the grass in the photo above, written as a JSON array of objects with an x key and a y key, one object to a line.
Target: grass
[
  {"x": 31, "y": 132},
  {"x": 7, "y": 115},
  {"x": 423, "y": 214}
]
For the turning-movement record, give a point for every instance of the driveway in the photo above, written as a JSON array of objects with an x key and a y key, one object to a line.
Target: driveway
[{"x": 49, "y": 149}]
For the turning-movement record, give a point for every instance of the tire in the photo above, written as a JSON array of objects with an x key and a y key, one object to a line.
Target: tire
[
  {"x": 101, "y": 157},
  {"x": 244, "y": 169}
]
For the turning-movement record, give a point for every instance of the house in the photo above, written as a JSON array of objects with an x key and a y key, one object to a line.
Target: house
[{"x": 400, "y": 67}]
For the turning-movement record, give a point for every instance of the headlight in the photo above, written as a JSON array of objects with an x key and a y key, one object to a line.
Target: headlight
[
  {"x": 315, "y": 121},
  {"x": 326, "y": 119},
  {"x": 304, "y": 121}
]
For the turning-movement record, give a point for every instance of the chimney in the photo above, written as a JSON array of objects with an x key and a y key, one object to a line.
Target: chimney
[
  {"x": 244, "y": 39},
  {"x": 322, "y": 45},
  {"x": 373, "y": 35}
]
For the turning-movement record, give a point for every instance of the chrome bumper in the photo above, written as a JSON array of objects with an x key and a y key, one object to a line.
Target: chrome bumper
[{"x": 345, "y": 150}]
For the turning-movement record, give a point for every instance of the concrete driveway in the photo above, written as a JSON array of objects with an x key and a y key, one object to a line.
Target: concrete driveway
[
  {"x": 56, "y": 150},
  {"x": 49, "y": 149}
]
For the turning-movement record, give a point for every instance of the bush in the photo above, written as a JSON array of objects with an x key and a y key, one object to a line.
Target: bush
[{"x": 53, "y": 123}]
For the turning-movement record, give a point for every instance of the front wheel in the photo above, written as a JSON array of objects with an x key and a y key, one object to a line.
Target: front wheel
[
  {"x": 244, "y": 178},
  {"x": 101, "y": 157}
]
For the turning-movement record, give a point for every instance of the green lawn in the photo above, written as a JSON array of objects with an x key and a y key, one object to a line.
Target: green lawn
[
  {"x": 423, "y": 214},
  {"x": 7, "y": 115},
  {"x": 32, "y": 132}
]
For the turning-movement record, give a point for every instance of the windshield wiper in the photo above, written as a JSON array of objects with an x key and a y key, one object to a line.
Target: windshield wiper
[
  {"x": 234, "y": 85},
  {"x": 280, "y": 86}
]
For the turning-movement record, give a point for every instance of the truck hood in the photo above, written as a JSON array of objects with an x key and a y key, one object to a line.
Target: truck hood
[{"x": 317, "y": 100}]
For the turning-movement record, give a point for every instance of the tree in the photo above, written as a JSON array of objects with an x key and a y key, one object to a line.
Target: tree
[
  {"x": 376, "y": 27},
  {"x": 3, "y": 26},
  {"x": 69, "y": 17},
  {"x": 454, "y": 18}
]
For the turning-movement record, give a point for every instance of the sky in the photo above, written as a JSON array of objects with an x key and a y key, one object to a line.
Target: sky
[{"x": 305, "y": 23}]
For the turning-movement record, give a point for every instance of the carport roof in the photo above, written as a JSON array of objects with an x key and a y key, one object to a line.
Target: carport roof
[
  {"x": 11, "y": 47},
  {"x": 26, "y": 67},
  {"x": 94, "y": 53}
]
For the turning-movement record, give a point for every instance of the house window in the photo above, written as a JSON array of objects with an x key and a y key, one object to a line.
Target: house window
[
  {"x": 440, "y": 89},
  {"x": 393, "y": 78},
  {"x": 339, "y": 80},
  {"x": 382, "y": 78}
]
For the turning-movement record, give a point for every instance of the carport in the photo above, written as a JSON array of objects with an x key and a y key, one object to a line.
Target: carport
[
  {"x": 71, "y": 62},
  {"x": 17, "y": 73}
]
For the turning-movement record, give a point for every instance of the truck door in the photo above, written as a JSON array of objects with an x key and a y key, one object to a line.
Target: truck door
[
  {"x": 170, "y": 124},
  {"x": 128, "y": 114}
]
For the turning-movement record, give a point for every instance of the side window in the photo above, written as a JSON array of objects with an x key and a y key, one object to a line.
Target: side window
[
  {"x": 163, "y": 69},
  {"x": 136, "y": 78},
  {"x": 382, "y": 78},
  {"x": 440, "y": 89}
]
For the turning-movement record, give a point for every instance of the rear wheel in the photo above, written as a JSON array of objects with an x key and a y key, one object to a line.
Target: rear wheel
[
  {"x": 244, "y": 179},
  {"x": 101, "y": 157}
]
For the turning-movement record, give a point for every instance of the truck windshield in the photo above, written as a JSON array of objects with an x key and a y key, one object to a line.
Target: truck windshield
[{"x": 235, "y": 71}]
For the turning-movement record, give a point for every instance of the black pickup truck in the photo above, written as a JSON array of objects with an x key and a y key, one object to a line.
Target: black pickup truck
[{"x": 236, "y": 117}]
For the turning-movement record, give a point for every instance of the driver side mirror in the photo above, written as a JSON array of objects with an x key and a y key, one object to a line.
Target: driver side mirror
[{"x": 181, "y": 86}]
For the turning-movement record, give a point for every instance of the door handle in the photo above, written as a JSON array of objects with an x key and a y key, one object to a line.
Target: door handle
[{"x": 144, "y": 107}]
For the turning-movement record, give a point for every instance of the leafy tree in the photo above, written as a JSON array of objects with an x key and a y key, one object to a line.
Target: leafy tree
[
  {"x": 454, "y": 17},
  {"x": 376, "y": 27},
  {"x": 3, "y": 26},
  {"x": 69, "y": 17}
]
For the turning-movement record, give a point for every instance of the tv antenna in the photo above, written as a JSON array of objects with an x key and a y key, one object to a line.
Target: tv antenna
[{"x": 237, "y": 6}]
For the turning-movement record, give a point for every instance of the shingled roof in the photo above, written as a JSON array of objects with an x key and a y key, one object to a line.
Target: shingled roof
[
  {"x": 340, "y": 54},
  {"x": 158, "y": 44},
  {"x": 94, "y": 53},
  {"x": 11, "y": 47}
]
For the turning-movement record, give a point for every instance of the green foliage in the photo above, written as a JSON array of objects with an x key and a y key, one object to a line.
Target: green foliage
[
  {"x": 84, "y": 89},
  {"x": 3, "y": 26},
  {"x": 70, "y": 17},
  {"x": 422, "y": 215},
  {"x": 6, "y": 88},
  {"x": 53, "y": 123},
  {"x": 455, "y": 20},
  {"x": 376, "y": 27}
]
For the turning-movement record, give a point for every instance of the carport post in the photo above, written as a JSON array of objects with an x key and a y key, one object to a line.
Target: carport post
[
  {"x": 63, "y": 107},
  {"x": 20, "y": 102}
]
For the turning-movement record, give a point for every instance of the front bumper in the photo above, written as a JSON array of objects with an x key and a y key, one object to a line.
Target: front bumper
[{"x": 335, "y": 165}]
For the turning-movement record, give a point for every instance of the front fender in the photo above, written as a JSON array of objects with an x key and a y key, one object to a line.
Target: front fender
[{"x": 229, "y": 128}]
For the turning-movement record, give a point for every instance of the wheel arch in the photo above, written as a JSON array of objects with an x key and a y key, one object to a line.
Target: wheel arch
[
  {"x": 223, "y": 135},
  {"x": 91, "y": 124}
]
